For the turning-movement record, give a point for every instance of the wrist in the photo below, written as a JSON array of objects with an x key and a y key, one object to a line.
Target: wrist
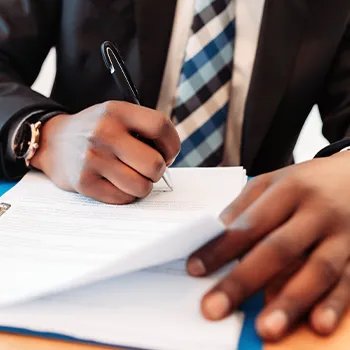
[{"x": 47, "y": 134}]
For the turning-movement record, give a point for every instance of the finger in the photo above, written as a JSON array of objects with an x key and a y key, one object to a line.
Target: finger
[
  {"x": 274, "y": 287},
  {"x": 140, "y": 157},
  {"x": 265, "y": 262},
  {"x": 152, "y": 125},
  {"x": 122, "y": 176},
  {"x": 94, "y": 186},
  {"x": 246, "y": 230},
  {"x": 251, "y": 192},
  {"x": 326, "y": 316},
  {"x": 321, "y": 272}
]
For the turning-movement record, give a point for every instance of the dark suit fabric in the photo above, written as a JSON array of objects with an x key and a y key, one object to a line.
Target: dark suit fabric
[{"x": 303, "y": 59}]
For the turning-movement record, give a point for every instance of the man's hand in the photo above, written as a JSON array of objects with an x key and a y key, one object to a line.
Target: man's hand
[
  {"x": 294, "y": 222},
  {"x": 96, "y": 153}
]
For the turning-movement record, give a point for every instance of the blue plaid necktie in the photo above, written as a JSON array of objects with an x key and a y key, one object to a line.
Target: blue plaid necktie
[{"x": 204, "y": 88}]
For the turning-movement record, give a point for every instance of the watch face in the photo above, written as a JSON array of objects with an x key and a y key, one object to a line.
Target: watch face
[{"x": 22, "y": 140}]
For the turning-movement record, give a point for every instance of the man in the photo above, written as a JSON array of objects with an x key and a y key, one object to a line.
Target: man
[{"x": 238, "y": 80}]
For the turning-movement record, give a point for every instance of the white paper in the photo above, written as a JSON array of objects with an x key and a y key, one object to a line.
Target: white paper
[
  {"x": 73, "y": 266},
  {"x": 151, "y": 309},
  {"x": 52, "y": 240}
]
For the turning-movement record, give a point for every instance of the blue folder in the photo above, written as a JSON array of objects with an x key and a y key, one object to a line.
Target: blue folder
[{"x": 249, "y": 339}]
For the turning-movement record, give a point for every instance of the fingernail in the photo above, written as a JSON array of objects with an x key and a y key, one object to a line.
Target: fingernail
[
  {"x": 168, "y": 164},
  {"x": 328, "y": 320},
  {"x": 195, "y": 267},
  {"x": 217, "y": 305},
  {"x": 274, "y": 324}
]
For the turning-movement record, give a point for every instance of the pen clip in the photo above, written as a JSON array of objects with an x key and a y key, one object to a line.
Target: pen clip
[{"x": 115, "y": 64}]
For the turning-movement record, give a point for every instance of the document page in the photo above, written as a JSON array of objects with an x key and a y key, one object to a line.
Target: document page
[
  {"x": 52, "y": 240},
  {"x": 156, "y": 308}
]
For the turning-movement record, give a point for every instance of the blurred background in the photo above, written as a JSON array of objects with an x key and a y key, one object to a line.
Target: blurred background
[{"x": 309, "y": 143}]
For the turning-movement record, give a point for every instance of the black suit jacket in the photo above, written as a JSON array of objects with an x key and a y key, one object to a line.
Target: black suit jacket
[{"x": 303, "y": 59}]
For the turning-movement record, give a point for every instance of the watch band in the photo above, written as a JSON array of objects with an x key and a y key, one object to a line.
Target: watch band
[
  {"x": 31, "y": 118},
  {"x": 46, "y": 116},
  {"x": 35, "y": 125}
]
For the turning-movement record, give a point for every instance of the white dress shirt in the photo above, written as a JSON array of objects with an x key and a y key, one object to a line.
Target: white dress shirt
[{"x": 248, "y": 20}]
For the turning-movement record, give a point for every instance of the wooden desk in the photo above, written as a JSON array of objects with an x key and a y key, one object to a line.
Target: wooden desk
[
  {"x": 19, "y": 342},
  {"x": 301, "y": 339},
  {"x": 304, "y": 339}
]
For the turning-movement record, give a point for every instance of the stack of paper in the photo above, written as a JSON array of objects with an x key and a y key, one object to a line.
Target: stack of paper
[{"x": 115, "y": 274}]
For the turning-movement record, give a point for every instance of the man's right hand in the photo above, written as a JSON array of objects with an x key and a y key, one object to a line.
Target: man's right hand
[{"x": 95, "y": 152}]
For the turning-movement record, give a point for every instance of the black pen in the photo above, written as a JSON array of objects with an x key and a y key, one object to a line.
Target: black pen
[{"x": 115, "y": 64}]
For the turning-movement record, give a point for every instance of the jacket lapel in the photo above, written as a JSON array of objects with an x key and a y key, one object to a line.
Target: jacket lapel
[
  {"x": 281, "y": 35},
  {"x": 154, "y": 21}
]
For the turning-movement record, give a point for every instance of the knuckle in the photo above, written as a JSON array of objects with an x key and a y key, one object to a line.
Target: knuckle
[
  {"x": 294, "y": 305},
  {"x": 292, "y": 182},
  {"x": 236, "y": 288},
  {"x": 228, "y": 214},
  {"x": 108, "y": 107},
  {"x": 110, "y": 112},
  {"x": 284, "y": 250},
  {"x": 217, "y": 254},
  {"x": 296, "y": 182},
  {"x": 144, "y": 188},
  {"x": 327, "y": 269},
  {"x": 258, "y": 183},
  {"x": 248, "y": 225},
  {"x": 84, "y": 182},
  {"x": 255, "y": 182},
  {"x": 90, "y": 157},
  {"x": 157, "y": 168},
  {"x": 163, "y": 125},
  {"x": 334, "y": 216}
]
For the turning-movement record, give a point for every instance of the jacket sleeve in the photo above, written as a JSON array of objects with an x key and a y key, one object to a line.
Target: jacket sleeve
[
  {"x": 28, "y": 30},
  {"x": 334, "y": 102}
]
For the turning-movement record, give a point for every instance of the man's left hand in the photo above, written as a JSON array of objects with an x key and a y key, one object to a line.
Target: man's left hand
[{"x": 296, "y": 219}]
